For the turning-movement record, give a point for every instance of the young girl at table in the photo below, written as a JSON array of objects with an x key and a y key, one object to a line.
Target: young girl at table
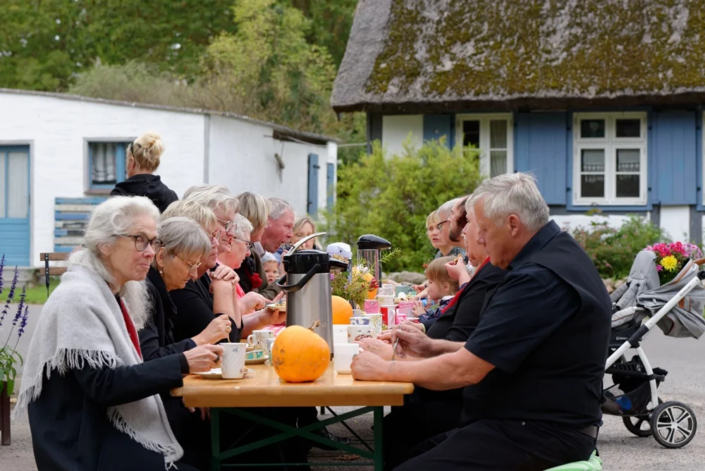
[{"x": 441, "y": 289}]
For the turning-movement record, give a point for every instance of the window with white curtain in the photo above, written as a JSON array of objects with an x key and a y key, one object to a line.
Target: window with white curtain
[
  {"x": 609, "y": 159},
  {"x": 106, "y": 163},
  {"x": 491, "y": 135}
]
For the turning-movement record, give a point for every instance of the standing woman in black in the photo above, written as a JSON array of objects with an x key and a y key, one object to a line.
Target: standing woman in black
[{"x": 143, "y": 158}]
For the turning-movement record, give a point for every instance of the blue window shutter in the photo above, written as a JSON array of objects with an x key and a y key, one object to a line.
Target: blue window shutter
[
  {"x": 15, "y": 184},
  {"x": 330, "y": 186},
  {"x": 674, "y": 156},
  {"x": 540, "y": 149},
  {"x": 120, "y": 163},
  {"x": 312, "y": 207},
  {"x": 436, "y": 126}
]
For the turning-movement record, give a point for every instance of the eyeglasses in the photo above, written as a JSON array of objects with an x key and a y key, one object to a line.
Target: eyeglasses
[
  {"x": 250, "y": 245},
  {"x": 191, "y": 266},
  {"x": 226, "y": 224},
  {"x": 215, "y": 235},
  {"x": 141, "y": 241},
  {"x": 439, "y": 226}
]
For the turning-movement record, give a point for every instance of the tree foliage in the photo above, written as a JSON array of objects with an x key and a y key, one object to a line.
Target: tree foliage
[{"x": 392, "y": 196}]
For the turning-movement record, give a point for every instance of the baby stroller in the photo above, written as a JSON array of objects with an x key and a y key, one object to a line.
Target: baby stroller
[{"x": 677, "y": 308}]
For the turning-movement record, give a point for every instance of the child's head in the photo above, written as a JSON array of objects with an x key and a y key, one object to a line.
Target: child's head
[
  {"x": 439, "y": 282},
  {"x": 271, "y": 267}
]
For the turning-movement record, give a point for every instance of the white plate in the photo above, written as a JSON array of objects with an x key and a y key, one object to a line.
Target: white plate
[
  {"x": 278, "y": 307},
  {"x": 257, "y": 361},
  {"x": 217, "y": 373}
]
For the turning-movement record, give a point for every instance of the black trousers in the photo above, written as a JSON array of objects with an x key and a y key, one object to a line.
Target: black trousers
[
  {"x": 409, "y": 425},
  {"x": 502, "y": 445}
]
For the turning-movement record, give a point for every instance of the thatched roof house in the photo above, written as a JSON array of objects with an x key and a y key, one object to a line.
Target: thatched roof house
[{"x": 408, "y": 56}]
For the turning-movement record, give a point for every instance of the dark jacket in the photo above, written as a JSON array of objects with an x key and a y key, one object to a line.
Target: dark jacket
[
  {"x": 69, "y": 420},
  {"x": 147, "y": 185}
]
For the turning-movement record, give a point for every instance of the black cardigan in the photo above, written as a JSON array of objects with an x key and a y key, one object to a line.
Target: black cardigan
[
  {"x": 147, "y": 185},
  {"x": 69, "y": 420}
]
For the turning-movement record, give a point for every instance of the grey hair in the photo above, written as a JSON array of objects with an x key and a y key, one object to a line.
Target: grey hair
[
  {"x": 242, "y": 225},
  {"x": 182, "y": 236},
  {"x": 278, "y": 208},
  {"x": 514, "y": 193},
  {"x": 203, "y": 215},
  {"x": 446, "y": 208},
  {"x": 469, "y": 206},
  {"x": 255, "y": 208},
  {"x": 116, "y": 216},
  {"x": 213, "y": 196}
]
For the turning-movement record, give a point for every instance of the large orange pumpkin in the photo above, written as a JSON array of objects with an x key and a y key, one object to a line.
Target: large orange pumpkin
[
  {"x": 342, "y": 310},
  {"x": 300, "y": 355}
]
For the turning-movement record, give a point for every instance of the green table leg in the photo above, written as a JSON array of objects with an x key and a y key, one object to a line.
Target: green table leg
[
  {"x": 379, "y": 455},
  {"x": 215, "y": 439}
]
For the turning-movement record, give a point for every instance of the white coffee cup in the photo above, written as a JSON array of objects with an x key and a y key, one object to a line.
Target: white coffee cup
[
  {"x": 344, "y": 353},
  {"x": 258, "y": 339},
  {"x": 340, "y": 334},
  {"x": 358, "y": 332},
  {"x": 233, "y": 364}
]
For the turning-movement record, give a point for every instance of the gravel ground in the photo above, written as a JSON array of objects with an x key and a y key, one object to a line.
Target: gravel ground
[{"x": 618, "y": 448}]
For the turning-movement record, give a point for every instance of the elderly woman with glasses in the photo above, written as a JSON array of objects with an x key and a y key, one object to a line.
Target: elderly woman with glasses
[
  {"x": 446, "y": 247},
  {"x": 93, "y": 403}
]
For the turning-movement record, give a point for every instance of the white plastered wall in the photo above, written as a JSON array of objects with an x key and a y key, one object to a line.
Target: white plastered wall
[
  {"x": 675, "y": 220},
  {"x": 396, "y": 130}
]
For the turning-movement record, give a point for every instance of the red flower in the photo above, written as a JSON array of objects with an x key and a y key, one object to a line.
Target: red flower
[{"x": 256, "y": 281}]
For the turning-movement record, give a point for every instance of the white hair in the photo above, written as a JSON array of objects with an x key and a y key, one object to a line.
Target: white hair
[
  {"x": 184, "y": 237},
  {"x": 278, "y": 207},
  {"x": 447, "y": 208},
  {"x": 116, "y": 216},
  {"x": 213, "y": 196},
  {"x": 514, "y": 193},
  {"x": 242, "y": 225}
]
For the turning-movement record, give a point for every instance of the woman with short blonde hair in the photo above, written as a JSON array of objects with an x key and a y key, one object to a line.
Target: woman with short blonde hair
[{"x": 143, "y": 157}]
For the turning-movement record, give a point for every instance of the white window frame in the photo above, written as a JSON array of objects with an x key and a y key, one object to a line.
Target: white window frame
[
  {"x": 610, "y": 143},
  {"x": 485, "y": 137}
]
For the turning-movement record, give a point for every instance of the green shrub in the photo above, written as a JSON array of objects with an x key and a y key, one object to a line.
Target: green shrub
[
  {"x": 613, "y": 250},
  {"x": 391, "y": 197}
]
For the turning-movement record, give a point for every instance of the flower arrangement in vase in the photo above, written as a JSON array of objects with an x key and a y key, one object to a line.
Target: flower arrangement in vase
[{"x": 672, "y": 257}]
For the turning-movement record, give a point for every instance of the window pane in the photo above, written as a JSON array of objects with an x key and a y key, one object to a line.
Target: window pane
[
  {"x": 593, "y": 160},
  {"x": 627, "y": 186},
  {"x": 471, "y": 134},
  {"x": 498, "y": 162},
  {"x": 628, "y": 128},
  {"x": 592, "y": 186},
  {"x": 498, "y": 134},
  {"x": 592, "y": 128},
  {"x": 17, "y": 185},
  {"x": 628, "y": 160},
  {"x": 3, "y": 182},
  {"x": 104, "y": 163}
]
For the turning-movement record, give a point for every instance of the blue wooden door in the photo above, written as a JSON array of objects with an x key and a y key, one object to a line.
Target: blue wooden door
[
  {"x": 312, "y": 207},
  {"x": 14, "y": 205},
  {"x": 330, "y": 186}
]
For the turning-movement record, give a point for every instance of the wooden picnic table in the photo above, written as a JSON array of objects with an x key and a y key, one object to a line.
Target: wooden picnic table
[{"x": 263, "y": 388}]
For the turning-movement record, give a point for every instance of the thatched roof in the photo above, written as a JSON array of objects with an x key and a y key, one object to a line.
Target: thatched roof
[{"x": 447, "y": 55}]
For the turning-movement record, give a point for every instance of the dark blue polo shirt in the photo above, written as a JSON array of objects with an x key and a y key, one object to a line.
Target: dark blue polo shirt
[{"x": 545, "y": 329}]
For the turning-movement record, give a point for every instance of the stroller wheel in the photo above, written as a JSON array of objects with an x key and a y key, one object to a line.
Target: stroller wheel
[
  {"x": 673, "y": 424},
  {"x": 639, "y": 425}
]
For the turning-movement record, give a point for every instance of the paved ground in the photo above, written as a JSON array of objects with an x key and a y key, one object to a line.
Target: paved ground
[{"x": 619, "y": 449}]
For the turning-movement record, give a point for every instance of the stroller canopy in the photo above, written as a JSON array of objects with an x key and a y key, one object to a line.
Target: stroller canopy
[{"x": 643, "y": 292}]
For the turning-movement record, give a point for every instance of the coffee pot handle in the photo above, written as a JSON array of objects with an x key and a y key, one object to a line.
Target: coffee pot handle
[{"x": 301, "y": 283}]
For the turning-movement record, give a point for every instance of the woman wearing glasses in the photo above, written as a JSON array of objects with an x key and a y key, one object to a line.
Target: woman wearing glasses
[
  {"x": 93, "y": 403},
  {"x": 440, "y": 233},
  {"x": 143, "y": 156}
]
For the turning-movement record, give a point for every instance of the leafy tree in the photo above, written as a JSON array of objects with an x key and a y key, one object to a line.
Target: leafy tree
[{"x": 392, "y": 196}]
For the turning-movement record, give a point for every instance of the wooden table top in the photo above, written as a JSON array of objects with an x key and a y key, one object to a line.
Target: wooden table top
[{"x": 263, "y": 388}]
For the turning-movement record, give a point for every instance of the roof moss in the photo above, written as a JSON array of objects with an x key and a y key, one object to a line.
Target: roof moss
[{"x": 497, "y": 49}]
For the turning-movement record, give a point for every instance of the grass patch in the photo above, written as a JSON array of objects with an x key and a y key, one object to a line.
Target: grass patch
[{"x": 35, "y": 295}]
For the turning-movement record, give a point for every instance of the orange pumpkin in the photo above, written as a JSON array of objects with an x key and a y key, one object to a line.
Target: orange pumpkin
[
  {"x": 342, "y": 310},
  {"x": 371, "y": 294},
  {"x": 300, "y": 355}
]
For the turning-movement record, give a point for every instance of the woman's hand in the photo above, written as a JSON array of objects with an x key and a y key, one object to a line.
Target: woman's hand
[
  {"x": 419, "y": 288},
  {"x": 225, "y": 273},
  {"x": 217, "y": 330},
  {"x": 270, "y": 316},
  {"x": 252, "y": 302},
  {"x": 455, "y": 269},
  {"x": 203, "y": 357},
  {"x": 418, "y": 309},
  {"x": 378, "y": 347}
]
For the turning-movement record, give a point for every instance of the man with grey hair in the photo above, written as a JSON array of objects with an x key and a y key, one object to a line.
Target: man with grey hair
[
  {"x": 280, "y": 225},
  {"x": 533, "y": 368}
]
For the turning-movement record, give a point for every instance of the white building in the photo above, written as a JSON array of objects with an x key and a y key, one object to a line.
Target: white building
[{"x": 59, "y": 154}]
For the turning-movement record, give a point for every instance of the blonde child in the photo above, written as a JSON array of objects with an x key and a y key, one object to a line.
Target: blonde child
[
  {"x": 441, "y": 289},
  {"x": 271, "y": 267}
]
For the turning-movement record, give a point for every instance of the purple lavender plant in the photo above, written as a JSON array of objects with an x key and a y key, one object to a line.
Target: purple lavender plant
[
  {"x": 2, "y": 268},
  {"x": 23, "y": 323},
  {"x": 20, "y": 306},
  {"x": 10, "y": 295}
]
